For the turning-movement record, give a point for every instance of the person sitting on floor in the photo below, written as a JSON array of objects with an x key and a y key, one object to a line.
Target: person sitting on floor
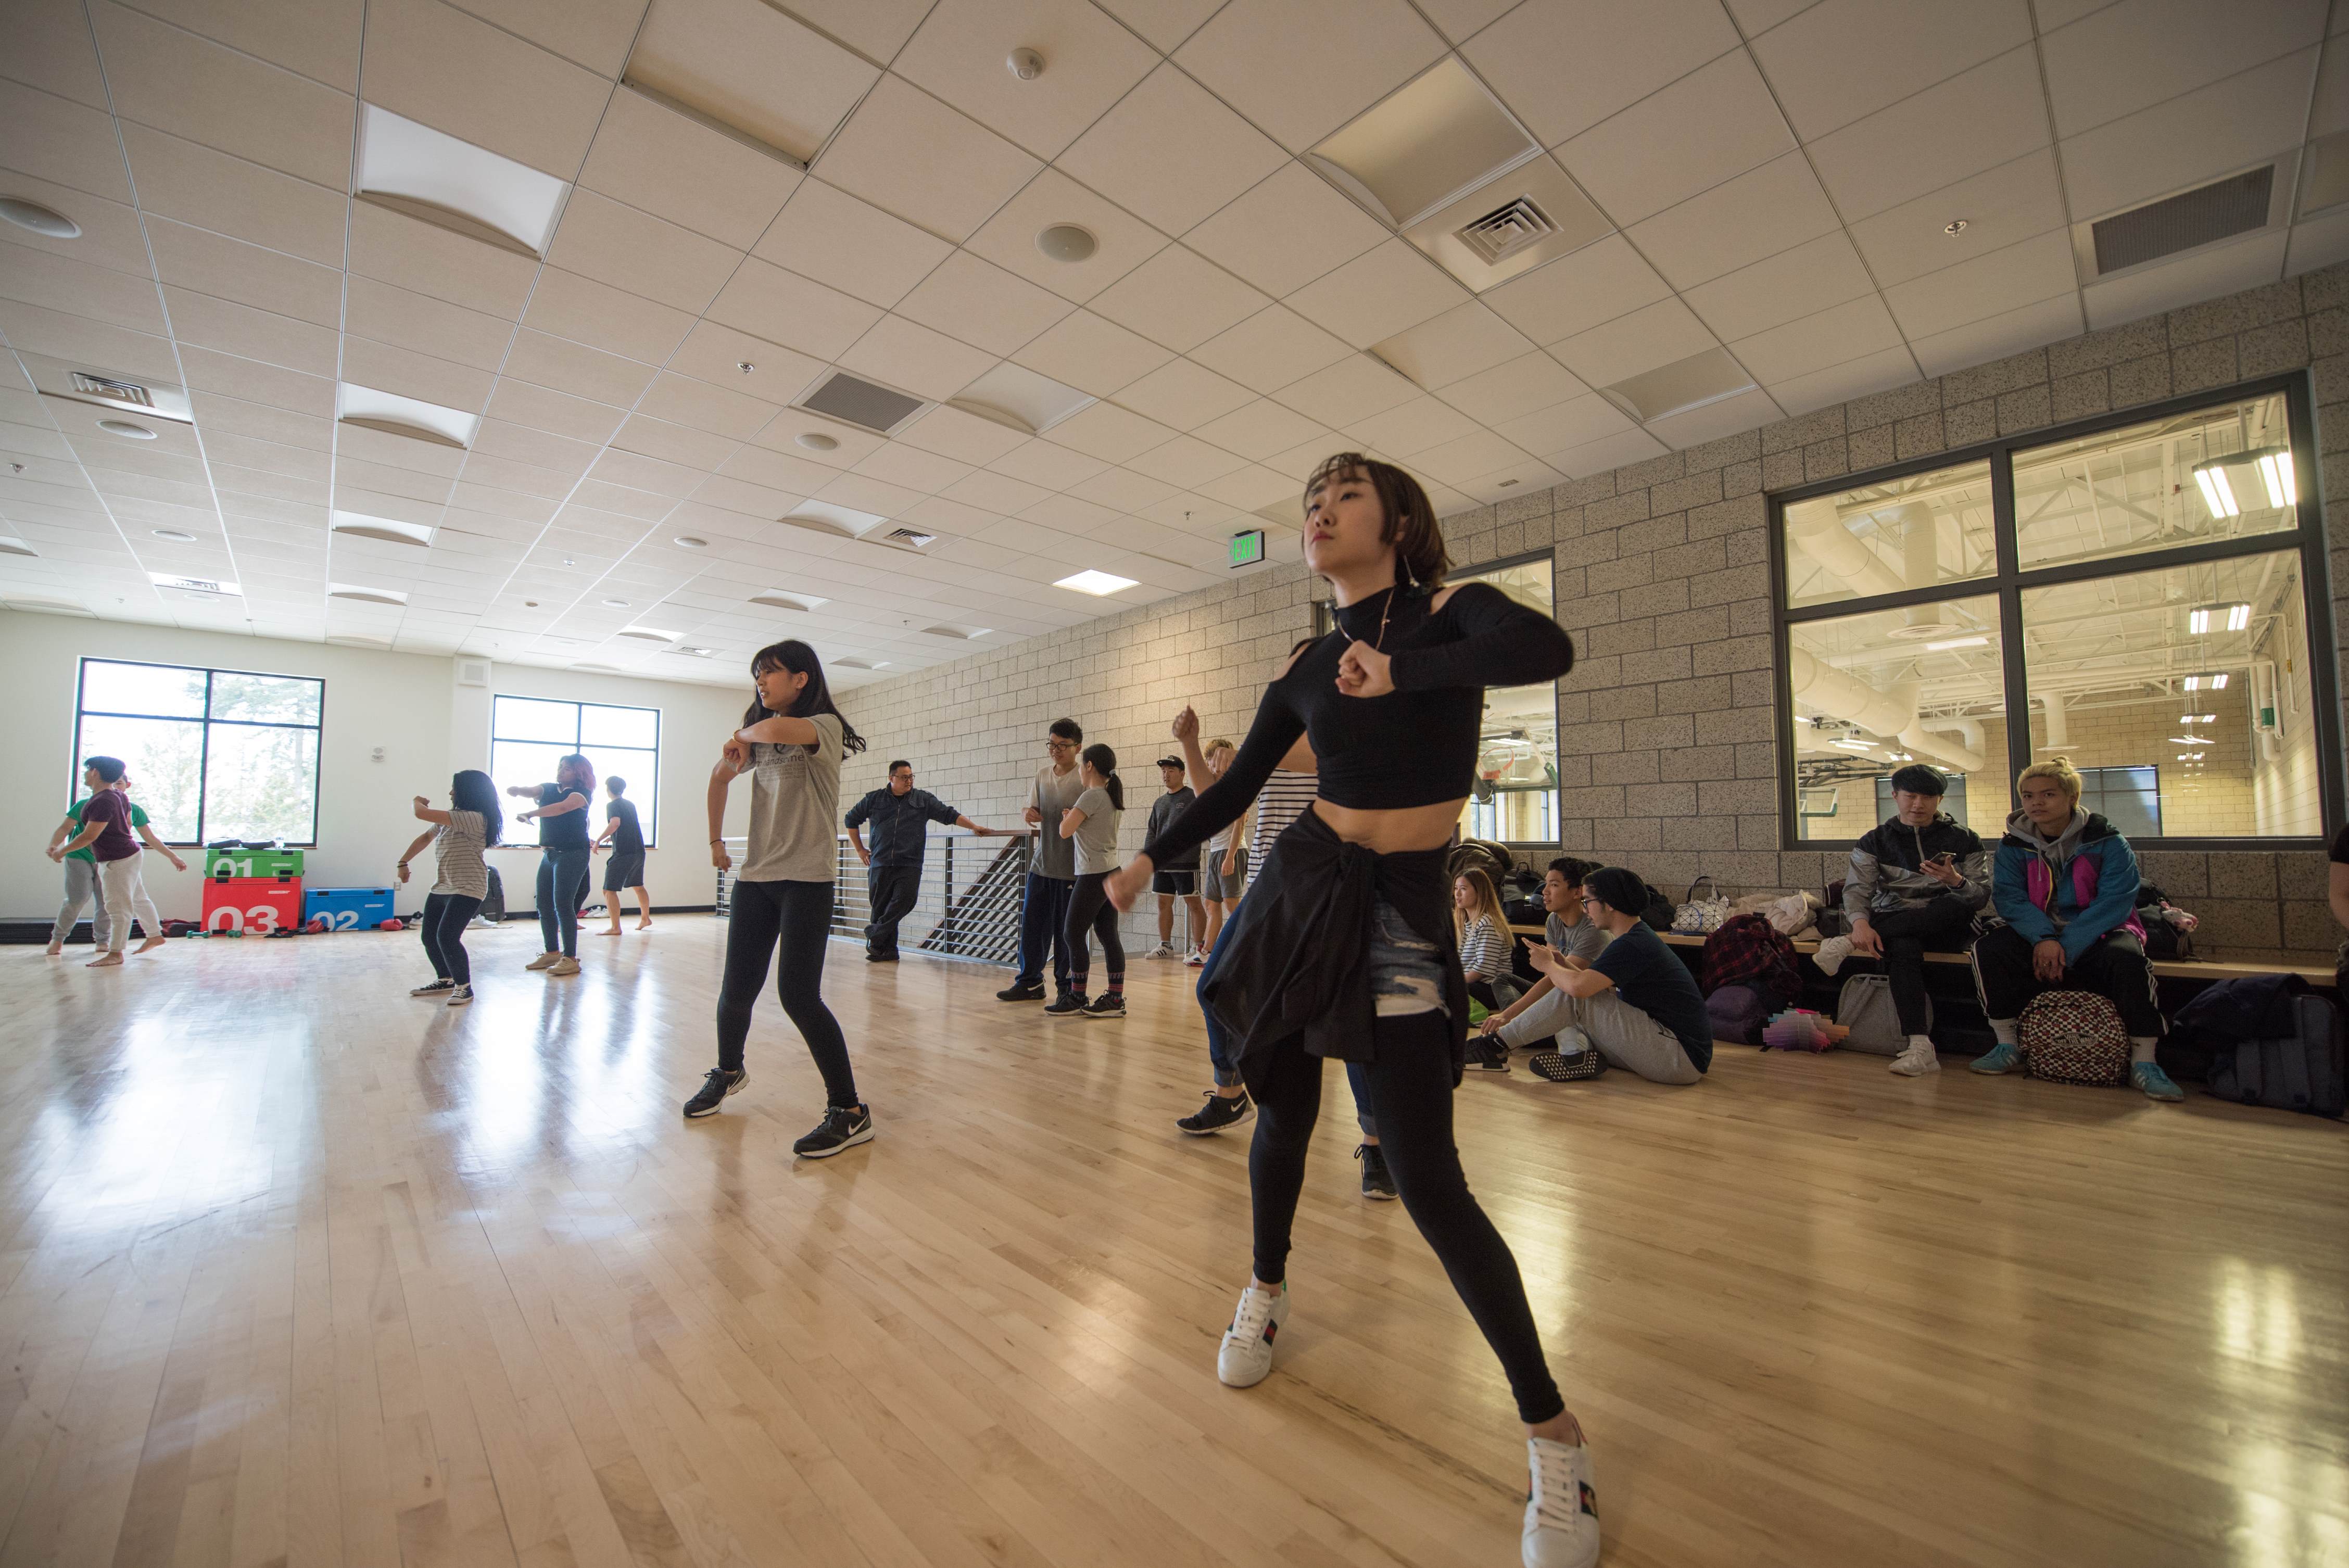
[
  {"x": 2065, "y": 880},
  {"x": 1569, "y": 932},
  {"x": 1636, "y": 1004},
  {"x": 1480, "y": 928},
  {"x": 1915, "y": 884}
]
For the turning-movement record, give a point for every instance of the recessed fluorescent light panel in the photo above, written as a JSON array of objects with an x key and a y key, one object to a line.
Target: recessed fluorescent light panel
[
  {"x": 366, "y": 595},
  {"x": 16, "y": 547},
  {"x": 1016, "y": 397},
  {"x": 385, "y": 529},
  {"x": 1677, "y": 387},
  {"x": 394, "y": 414},
  {"x": 2208, "y": 680},
  {"x": 650, "y": 634},
  {"x": 1095, "y": 582},
  {"x": 748, "y": 71},
  {"x": 960, "y": 634},
  {"x": 454, "y": 185},
  {"x": 194, "y": 584},
  {"x": 776, "y": 599},
  {"x": 823, "y": 517}
]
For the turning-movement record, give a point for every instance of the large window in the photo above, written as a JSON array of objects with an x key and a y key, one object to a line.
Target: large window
[
  {"x": 2144, "y": 596},
  {"x": 211, "y": 754},
  {"x": 529, "y": 735}
]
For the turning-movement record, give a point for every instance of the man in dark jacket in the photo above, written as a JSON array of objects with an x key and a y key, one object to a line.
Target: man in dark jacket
[
  {"x": 1180, "y": 879},
  {"x": 1916, "y": 882},
  {"x": 900, "y": 815}
]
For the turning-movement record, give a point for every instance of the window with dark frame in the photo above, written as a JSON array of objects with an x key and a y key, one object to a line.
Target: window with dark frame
[
  {"x": 2145, "y": 594},
  {"x": 528, "y": 734},
  {"x": 211, "y": 753}
]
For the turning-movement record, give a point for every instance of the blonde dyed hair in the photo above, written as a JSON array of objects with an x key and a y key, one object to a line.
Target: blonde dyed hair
[
  {"x": 1488, "y": 903},
  {"x": 2060, "y": 769},
  {"x": 1221, "y": 743}
]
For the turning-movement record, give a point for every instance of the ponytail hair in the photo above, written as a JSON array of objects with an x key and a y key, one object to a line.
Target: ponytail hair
[
  {"x": 814, "y": 698},
  {"x": 1104, "y": 762}
]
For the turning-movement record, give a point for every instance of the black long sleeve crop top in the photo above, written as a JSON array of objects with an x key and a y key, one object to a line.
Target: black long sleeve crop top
[{"x": 1415, "y": 745}]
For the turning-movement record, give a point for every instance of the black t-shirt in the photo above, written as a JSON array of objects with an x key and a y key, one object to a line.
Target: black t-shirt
[
  {"x": 1162, "y": 812},
  {"x": 2341, "y": 847},
  {"x": 627, "y": 839},
  {"x": 1651, "y": 978},
  {"x": 568, "y": 831}
]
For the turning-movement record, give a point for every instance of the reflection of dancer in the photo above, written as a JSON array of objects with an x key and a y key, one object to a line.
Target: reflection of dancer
[
  {"x": 1343, "y": 947},
  {"x": 82, "y": 884},
  {"x": 561, "y": 815},
  {"x": 791, "y": 744},
  {"x": 106, "y": 832},
  {"x": 625, "y": 838},
  {"x": 460, "y": 879}
]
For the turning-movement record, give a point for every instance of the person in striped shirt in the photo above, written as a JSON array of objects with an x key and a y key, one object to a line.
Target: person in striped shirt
[{"x": 1482, "y": 927}]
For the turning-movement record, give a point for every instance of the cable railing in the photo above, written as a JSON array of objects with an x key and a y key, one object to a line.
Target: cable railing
[{"x": 967, "y": 905}]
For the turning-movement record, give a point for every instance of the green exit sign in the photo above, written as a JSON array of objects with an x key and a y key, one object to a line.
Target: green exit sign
[{"x": 1248, "y": 549}]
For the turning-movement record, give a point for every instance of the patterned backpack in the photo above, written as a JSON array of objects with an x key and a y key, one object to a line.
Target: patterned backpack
[{"x": 2073, "y": 1036}]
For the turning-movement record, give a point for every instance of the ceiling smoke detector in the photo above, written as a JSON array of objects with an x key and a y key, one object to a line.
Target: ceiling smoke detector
[
  {"x": 690, "y": 542},
  {"x": 1024, "y": 64},
  {"x": 817, "y": 442},
  {"x": 126, "y": 429},
  {"x": 1067, "y": 242}
]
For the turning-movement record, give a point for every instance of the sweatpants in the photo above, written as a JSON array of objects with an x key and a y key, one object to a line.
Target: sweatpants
[
  {"x": 1043, "y": 921},
  {"x": 446, "y": 916},
  {"x": 1625, "y": 1036},
  {"x": 786, "y": 922},
  {"x": 1942, "y": 925},
  {"x": 1226, "y": 1062},
  {"x": 562, "y": 889},
  {"x": 83, "y": 887},
  {"x": 1089, "y": 909},
  {"x": 126, "y": 895},
  {"x": 891, "y": 891},
  {"x": 2115, "y": 966},
  {"x": 1410, "y": 1088}
]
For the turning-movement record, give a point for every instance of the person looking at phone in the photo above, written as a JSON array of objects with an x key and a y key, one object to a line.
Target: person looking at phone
[{"x": 1917, "y": 881}]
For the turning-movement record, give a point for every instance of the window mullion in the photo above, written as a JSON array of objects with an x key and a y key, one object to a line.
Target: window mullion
[{"x": 2014, "y": 666}]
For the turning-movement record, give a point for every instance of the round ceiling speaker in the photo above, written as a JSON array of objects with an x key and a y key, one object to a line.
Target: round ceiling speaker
[
  {"x": 817, "y": 442},
  {"x": 39, "y": 218},
  {"x": 125, "y": 428},
  {"x": 1067, "y": 242}
]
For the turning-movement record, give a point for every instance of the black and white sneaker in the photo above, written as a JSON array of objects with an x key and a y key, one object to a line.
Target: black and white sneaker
[
  {"x": 1015, "y": 992},
  {"x": 1218, "y": 1113},
  {"x": 1108, "y": 1004},
  {"x": 1378, "y": 1184},
  {"x": 437, "y": 988},
  {"x": 842, "y": 1127},
  {"x": 714, "y": 1090},
  {"x": 1487, "y": 1053},
  {"x": 1066, "y": 1003},
  {"x": 462, "y": 996}
]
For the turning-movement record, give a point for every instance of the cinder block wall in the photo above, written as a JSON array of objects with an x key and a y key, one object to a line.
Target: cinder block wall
[{"x": 1668, "y": 726}]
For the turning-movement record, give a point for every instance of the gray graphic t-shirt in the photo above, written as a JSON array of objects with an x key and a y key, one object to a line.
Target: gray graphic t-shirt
[
  {"x": 794, "y": 803},
  {"x": 1055, "y": 793}
]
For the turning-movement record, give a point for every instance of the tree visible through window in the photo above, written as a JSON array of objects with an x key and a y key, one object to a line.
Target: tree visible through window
[{"x": 211, "y": 754}]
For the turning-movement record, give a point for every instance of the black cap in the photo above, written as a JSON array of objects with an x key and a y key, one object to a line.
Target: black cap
[
  {"x": 1617, "y": 889},
  {"x": 1920, "y": 779},
  {"x": 1170, "y": 762}
]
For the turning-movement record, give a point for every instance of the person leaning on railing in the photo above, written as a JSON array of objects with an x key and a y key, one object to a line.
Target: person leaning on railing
[{"x": 900, "y": 815}]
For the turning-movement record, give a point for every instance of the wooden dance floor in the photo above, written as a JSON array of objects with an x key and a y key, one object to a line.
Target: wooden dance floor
[{"x": 299, "y": 1271}]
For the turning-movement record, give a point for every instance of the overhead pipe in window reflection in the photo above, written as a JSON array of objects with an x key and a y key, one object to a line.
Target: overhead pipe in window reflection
[
  {"x": 1820, "y": 534},
  {"x": 1826, "y": 689}
]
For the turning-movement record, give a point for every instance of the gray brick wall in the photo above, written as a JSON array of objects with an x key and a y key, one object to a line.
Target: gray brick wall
[{"x": 1667, "y": 730}]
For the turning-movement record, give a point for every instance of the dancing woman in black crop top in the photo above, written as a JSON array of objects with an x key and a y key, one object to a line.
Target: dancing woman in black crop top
[{"x": 1343, "y": 946}]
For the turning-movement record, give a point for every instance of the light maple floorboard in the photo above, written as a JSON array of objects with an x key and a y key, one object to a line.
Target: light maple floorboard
[{"x": 297, "y": 1270}]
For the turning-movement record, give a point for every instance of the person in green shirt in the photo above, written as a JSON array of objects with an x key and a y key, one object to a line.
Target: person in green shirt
[{"x": 83, "y": 887}]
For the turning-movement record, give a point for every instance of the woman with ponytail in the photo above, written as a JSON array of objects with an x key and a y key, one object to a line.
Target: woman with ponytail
[{"x": 1093, "y": 823}]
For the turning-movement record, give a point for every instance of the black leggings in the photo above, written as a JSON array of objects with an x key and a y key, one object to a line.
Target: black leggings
[
  {"x": 1409, "y": 1085},
  {"x": 446, "y": 916},
  {"x": 1943, "y": 921},
  {"x": 562, "y": 889},
  {"x": 1090, "y": 906},
  {"x": 795, "y": 916}
]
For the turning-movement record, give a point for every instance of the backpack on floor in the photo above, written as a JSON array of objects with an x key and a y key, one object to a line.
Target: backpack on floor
[
  {"x": 1738, "y": 1012},
  {"x": 1865, "y": 1007},
  {"x": 2271, "y": 1042},
  {"x": 2073, "y": 1036},
  {"x": 493, "y": 908},
  {"x": 1660, "y": 910}
]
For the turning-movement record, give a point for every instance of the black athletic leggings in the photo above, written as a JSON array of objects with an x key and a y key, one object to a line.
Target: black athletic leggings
[
  {"x": 1409, "y": 1085},
  {"x": 794, "y": 916},
  {"x": 446, "y": 916},
  {"x": 1090, "y": 906}
]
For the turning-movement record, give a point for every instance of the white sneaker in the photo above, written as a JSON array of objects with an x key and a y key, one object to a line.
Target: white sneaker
[
  {"x": 462, "y": 996},
  {"x": 1561, "y": 1507},
  {"x": 545, "y": 960},
  {"x": 1164, "y": 950},
  {"x": 1246, "y": 1357},
  {"x": 1572, "y": 1041},
  {"x": 1831, "y": 953},
  {"x": 564, "y": 966},
  {"x": 1917, "y": 1062}
]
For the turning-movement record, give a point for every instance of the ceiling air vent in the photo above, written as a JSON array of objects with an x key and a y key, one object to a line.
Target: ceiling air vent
[
  {"x": 473, "y": 672},
  {"x": 909, "y": 538},
  {"x": 858, "y": 402},
  {"x": 1506, "y": 230},
  {"x": 193, "y": 584},
  {"x": 2241, "y": 203},
  {"x": 112, "y": 391}
]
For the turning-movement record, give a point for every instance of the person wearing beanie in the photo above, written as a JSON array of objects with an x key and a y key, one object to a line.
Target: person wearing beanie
[
  {"x": 1636, "y": 1004},
  {"x": 1916, "y": 882}
]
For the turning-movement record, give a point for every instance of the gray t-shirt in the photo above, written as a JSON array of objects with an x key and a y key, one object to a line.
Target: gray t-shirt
[
  {"x": 794, "y": 803},
  {"x": 1584, "y": 939},
  {"x": 1096, "y": 839},
  {"x": 457, "y": 856},
  {"x": 1054, "y": 794}
]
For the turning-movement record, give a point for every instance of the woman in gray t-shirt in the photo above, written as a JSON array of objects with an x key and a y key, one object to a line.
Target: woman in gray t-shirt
[
  {"x": 791, "y": 743},
  {"x": 1091, "y": 825}
]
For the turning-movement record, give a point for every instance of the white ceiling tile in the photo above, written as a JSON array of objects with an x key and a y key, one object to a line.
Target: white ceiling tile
[
  {"x": 878, "y": 28},
  {"x": 1413, "y": 427},
  {"x": 1185, "y": 395},
  {"x": 1347, "y": 392},
  {"x": 213, "y": 191},
  {"x": 321, "y": 41},
  {"x": 601, "y": 239},
  {"x": 2330, "y": 113},
  {"x": 869, "y": 495},
  {"x": 1069, "y": 514},
  {"x": 1110, "y": 433},
  {"x": 2139, "y": 53},
  {"x": 1797, "y": 283},
  {"x": 1301, "y": 68},
  {"x": 851, "y": 445},
  {"x": 899, "y": 464},
  {"x": 1287, "y": 232},
  {"x": 1772, "y": 208},
  {"x": 1657, "y": 335},
  {"x": 1090, "y": 62},
  {"x": 1517, "y": 479},
  {"x": 1608, "y": 452},
  {"x": 1186, "y": 461},
  {"x": 446, "y": 331},
  {"x": 50, "y": 44},
  {"x": 37, "y": 277},
  {"x": 1832, "y": 336},
  {"x": 594, "y": 34},
  {"x": 2207, "y": 133},
  {"x": 1171, "y": 152},
  {"x": 1996, "y": 337},
  {"x": 416, "y": 256},
  {"x": 751, "y": 67},
  {"x": 1468, "y": 457},
  {"x": 1247, "y": 488},
  {"x": 1166, "y": 22},
  {"x": 1978, "y": 119},
  {"x": 1844, "y": 59},
  {"x": 1006, "y": 492},
  {"x": 924, "y": 160},
  {"x": 58, "y": 139},
  {"x": 1999, "y": 207},
  {"x": 1566, "y": 64},
  {"x": 1755, "y": 17},
  {"x": 715, "y": 353},
  {"x": 542, "y": 408},
  {"x": 63, "y": 337},
  {"x": 909, "y": 355},
  {"x": 242, "y": 329},
  {"x": 1378, "y": 294},
  {"x": 1462, "y": 341},
  {"x": 1092, "y": 354},
  {"x": 2247, "y": 262},
  {"x": 653, "y": 158},
  {"x": 223, "y": 99},
  {"x": 432, "y": 63},
  {"x": 786, "y": 471},
  {"x": 1122, "y": 240},
  {"x": 1122, "y": 490},
  {"x": 1877, "y": 372},
  {"x": 784, "y": 307},
  {"x": 1564, "y": 427},
  {"x": 1712, "y": 125},
  {"x": 2318, "y": 243},
  {"x": 574, "y": 368},
  {"x": 849, "y": 244},
  {"x": 1523, "y": 385},
  {"x": 981, "y": 303},
  {"x": 952, "y": 433},
  {"x": 1270, "y": 349},
  {"x": 2021, "y": 274},
  {"x": 1597, "y": 283},
  {"x": 1176, "y": 299},
  {"x": 1261, "y": 429}
]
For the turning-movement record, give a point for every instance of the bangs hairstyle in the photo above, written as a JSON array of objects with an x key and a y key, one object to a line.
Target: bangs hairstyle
[
  {"x": 814, "y": 698},
  {"x": 1411, "y": 526},
  {"x": 2060, "y": 769},
  {"x": 474, "y": 790}
]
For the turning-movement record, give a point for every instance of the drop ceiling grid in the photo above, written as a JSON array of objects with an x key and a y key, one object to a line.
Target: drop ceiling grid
[{"x": 1823, "y": 354}]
